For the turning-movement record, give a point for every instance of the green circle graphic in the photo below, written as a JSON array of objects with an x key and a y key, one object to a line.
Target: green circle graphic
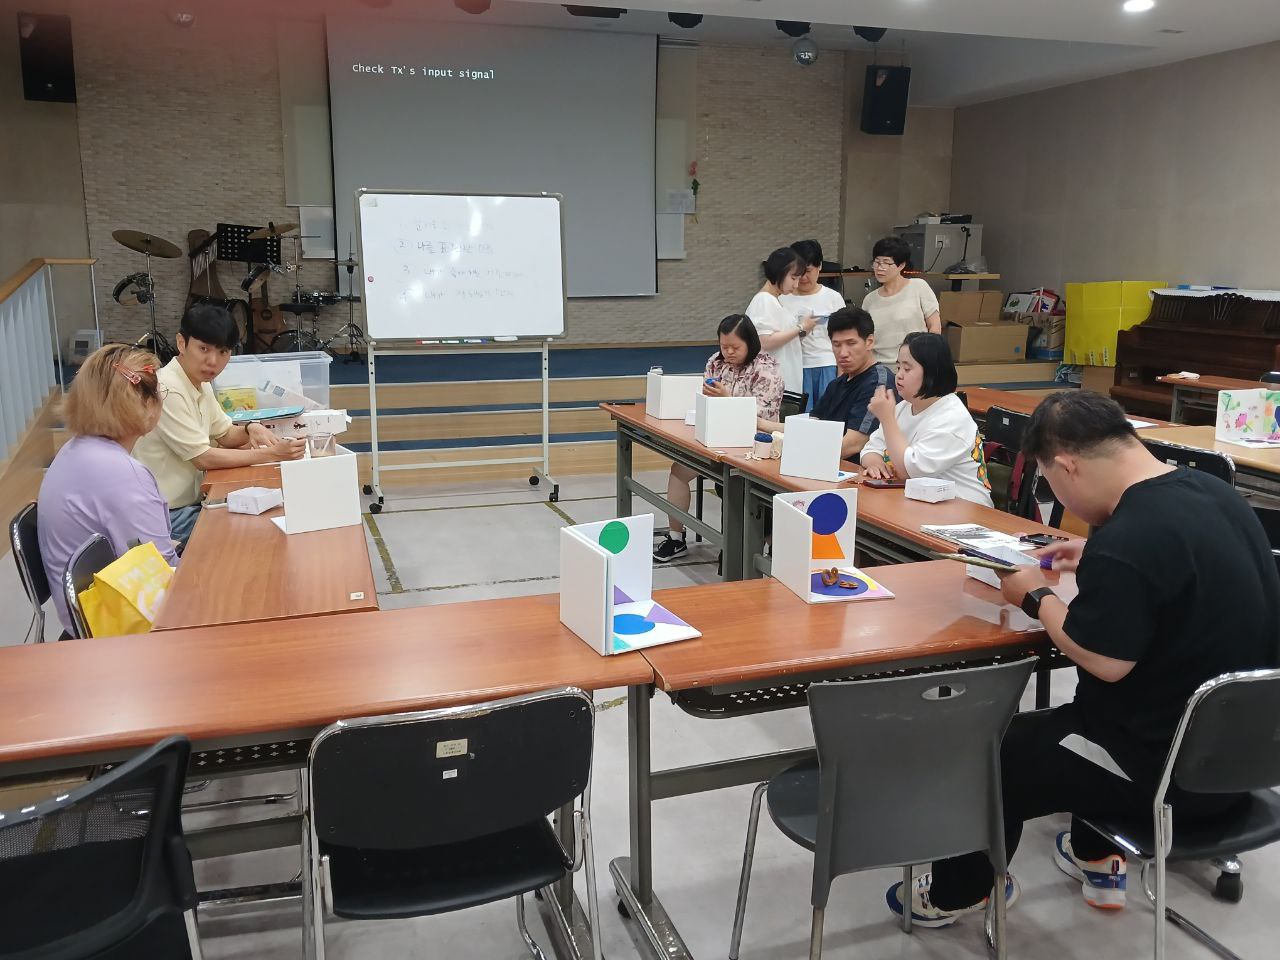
[{"x": 615, "y": 536}]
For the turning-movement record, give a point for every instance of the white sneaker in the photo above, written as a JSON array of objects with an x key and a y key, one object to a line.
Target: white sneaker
[
  {"x": 1102, "y": 882},
  {"x": 925, "y": 914}
]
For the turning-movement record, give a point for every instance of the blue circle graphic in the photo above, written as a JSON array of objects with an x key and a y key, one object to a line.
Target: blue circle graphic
[
  {"x": 629, "y": 624},
  {"x": 829, "y": 512},
  {"x": 835, "y": 590}
]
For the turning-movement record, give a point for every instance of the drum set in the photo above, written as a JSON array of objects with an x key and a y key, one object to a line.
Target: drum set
[{"x": 139, "y": 288}]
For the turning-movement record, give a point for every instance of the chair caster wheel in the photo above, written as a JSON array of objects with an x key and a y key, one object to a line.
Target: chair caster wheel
[
  {"x": 1230, "y": 887},
  {"x": 534, "y": 481},
  {"x": 368, "y": 490},
  {"x": 623, "y": 911},
  {"x": 375, "y": 508}
]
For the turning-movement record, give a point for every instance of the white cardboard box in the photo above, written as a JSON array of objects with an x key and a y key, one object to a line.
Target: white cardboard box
[
  {"x": 254, "y": 500},
  {"x": 724, "y": 421},
  {"x": 309, "y": 422},
  {"x": 670, "y": 396},
  {"x": 812, "y": 448},
  {"x": 930, "y": 489},
  {"x": 1017, "y": 557},
  {"x": 320, "y": 494}
]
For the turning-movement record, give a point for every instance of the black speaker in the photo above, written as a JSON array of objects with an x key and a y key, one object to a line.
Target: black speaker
[
  {"x": 884, "y": 100},
  {"x": 44, "y": 46}
]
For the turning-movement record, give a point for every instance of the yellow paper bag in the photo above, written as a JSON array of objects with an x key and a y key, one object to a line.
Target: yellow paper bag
[{"x": 126, "y": 594}]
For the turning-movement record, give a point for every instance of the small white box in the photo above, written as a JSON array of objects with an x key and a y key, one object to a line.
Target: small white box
[
  {"x": 254, "y": 500},
  {"x": 1017, "y": 557},
  {"x": 930, "y": 489},
  {"x": 670, "y": 396},
  {"x": 724, "y": 421},
  {"x": 309, "y": 422}
]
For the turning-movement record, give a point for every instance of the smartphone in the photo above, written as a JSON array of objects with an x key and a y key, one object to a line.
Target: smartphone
[
  {"x": 1040, "y": 539},
  {"x": 885, "y": 484},
  {"x": 996, "y": 565}
]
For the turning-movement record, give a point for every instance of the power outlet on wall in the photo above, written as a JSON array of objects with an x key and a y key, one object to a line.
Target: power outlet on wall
[{"x": 942, "y": 241}]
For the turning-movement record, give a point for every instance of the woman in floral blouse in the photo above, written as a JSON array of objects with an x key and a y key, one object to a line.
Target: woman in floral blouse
[{"x": 739, "y": 370}]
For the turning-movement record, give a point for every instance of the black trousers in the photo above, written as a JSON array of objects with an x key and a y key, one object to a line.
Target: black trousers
[{"x": 1041, "y": 777}]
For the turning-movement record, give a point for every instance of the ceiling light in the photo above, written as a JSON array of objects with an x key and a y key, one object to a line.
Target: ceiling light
[
  {"x": 686, "y": 20},
  {"x": 793, "y": 28},
  {"x": 1138, "y": 6}
]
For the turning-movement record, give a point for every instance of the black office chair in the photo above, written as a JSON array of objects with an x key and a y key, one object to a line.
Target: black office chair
[
  {"x": 836, "y": 283},
  {"x": 103, "y": 871},
  {"x": 1272, "y": 376},
  {"x": 1210, "y": 461},
  {"x": 792, "y": 403},
  {"x": 1005, "y": 427},
  {"x": 93, "y": 555},
  {"x": 418, "y": 814},
  {"x": 1225, "y": 743},
  {"x": 907, "y": 771},
  {"x": 24, "y": 540}
]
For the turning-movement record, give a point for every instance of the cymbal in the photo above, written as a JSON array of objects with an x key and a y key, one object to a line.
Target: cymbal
[
  {"x": 272, "y": 230},
  {"x": 146, "y": 243}
]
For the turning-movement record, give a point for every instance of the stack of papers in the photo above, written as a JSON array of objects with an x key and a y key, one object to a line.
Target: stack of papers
[{"x": 976, "y": 537}]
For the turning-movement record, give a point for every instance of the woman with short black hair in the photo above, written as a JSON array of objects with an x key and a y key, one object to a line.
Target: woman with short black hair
[
  {"x": 900, "y": 305},
  {"x": 780, "y": 332},
  {"x": 929, "y": 433},
  {"x": 739, "y": 369}
]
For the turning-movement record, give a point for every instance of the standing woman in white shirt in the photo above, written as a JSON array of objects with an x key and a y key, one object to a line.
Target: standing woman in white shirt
[
  {"x": 813, "y": 299},
  {"x": 929, "y": 433},
  {"x": 900, "y": 305},
  {"x": 780, "y": 332}
]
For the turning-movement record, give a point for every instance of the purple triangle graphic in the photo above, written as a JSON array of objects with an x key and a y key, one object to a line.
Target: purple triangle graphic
[
  {"x": 620, "y": 597},
  {"x": 660, "y": 614}
]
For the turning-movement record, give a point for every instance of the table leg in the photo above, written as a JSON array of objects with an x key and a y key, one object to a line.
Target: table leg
[
  {"x": 650, "y": 928},
  {"x": 1175, "y": 406},
  {"x": 753, "y": 529},
  {"x": 732, "y": 514},
  {"x": 623, "y": 474}
]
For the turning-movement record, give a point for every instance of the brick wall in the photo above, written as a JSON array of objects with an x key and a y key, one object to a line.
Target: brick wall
[{"x": 180, "y": 129}]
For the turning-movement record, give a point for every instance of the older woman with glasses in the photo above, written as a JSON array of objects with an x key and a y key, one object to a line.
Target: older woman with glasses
[
  {"x": 94, "y": 485},
  {"x": 900, "y": 305}
]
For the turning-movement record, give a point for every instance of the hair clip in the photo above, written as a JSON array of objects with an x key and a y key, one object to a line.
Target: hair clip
[
  {"x": 149, "y": 368},
  {"x": 132, "y": 376}
]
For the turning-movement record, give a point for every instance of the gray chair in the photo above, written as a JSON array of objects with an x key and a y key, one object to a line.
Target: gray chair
[
  {"x": 1225, "y": 743},
  {"x": 418, "y": 814},
  {"x": 24, "y": 540},
  {"x": 92, "y": 555},
  {"x": 907, "y": 771},
  {"x": 1209, "y": 461}
]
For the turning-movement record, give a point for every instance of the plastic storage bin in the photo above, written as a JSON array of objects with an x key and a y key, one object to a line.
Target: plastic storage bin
[{"x": 273, "y": 377}]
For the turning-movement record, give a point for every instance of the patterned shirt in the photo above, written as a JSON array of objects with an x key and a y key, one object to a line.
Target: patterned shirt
[{"x": 761, "y": 378}]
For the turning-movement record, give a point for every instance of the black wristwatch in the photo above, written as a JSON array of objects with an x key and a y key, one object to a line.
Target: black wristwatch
[{"x": 1031, "y": 602}]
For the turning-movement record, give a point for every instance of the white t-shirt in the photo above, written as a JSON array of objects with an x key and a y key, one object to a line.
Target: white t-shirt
[
  {"x": 770, "y": 316},
  {"x": 816, "y": 347},
  {"x": 899, "y": 315},
  {"x": 942, "y": 442}
]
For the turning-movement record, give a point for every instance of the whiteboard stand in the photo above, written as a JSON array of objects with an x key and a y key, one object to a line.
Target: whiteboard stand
[
  {"x": 441, "y": 271},
  {"x": 540, "y": 472}
]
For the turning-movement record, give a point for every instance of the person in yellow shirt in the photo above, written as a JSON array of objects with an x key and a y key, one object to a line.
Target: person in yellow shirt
[{"x": 194, "y": 434}]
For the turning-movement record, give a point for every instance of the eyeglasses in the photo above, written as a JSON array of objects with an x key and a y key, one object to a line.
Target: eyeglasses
[{"x": 884, "y": 262}]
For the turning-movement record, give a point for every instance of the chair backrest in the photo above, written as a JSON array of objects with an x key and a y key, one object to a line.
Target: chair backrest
[
  {"x": 792, "y": 403},
  {"x": 835, "y": 283},
  {"x": 84, "y": 871},
  {"x": 1228, "y": 740},
  {"x": 910, "y": 767},
  {"x": 92, "y": 555},
  {"x": 1006, "y": 427},
  {"x": 1272, "y": 376},
  {"x": 24, "y": 540},
  {"x": 1210, "y": 461},
  {"x": 416, "y": 780}
]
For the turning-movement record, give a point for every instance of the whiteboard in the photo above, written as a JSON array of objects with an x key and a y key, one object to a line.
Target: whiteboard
[{"x": 444, "y": 265}]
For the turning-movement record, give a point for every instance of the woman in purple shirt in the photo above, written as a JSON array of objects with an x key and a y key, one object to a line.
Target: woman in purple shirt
[{"x": 94, "y": 485}]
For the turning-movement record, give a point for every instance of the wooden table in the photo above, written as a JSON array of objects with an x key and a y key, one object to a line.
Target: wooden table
[
  {"x": 1201, "y": 394},
  {"x": 674, "y": 440},
  {"x": 259, "y": 475},
  {"x": 761, "y": 646},
  {"x": 982, "y": 399},
  {"x": 238, "y": 568},
  {"x": 888, "y": 522}
]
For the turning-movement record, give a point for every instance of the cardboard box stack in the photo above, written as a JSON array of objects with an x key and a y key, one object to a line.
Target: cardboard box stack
[
  {"x": 975, "y": 329},
  {"x": 1041, "y": 310}
]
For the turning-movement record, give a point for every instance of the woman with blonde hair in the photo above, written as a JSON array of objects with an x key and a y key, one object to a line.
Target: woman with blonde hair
[{"x": 94, "y": 485}]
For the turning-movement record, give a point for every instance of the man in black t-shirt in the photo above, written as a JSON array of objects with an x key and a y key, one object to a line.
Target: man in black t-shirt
[
  {"x": 852, "y": 334},
  {"x": 1176, "y": 586}
]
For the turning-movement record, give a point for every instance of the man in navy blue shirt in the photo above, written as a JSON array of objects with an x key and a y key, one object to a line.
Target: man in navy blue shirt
[{"x": 852, "y": 333}]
